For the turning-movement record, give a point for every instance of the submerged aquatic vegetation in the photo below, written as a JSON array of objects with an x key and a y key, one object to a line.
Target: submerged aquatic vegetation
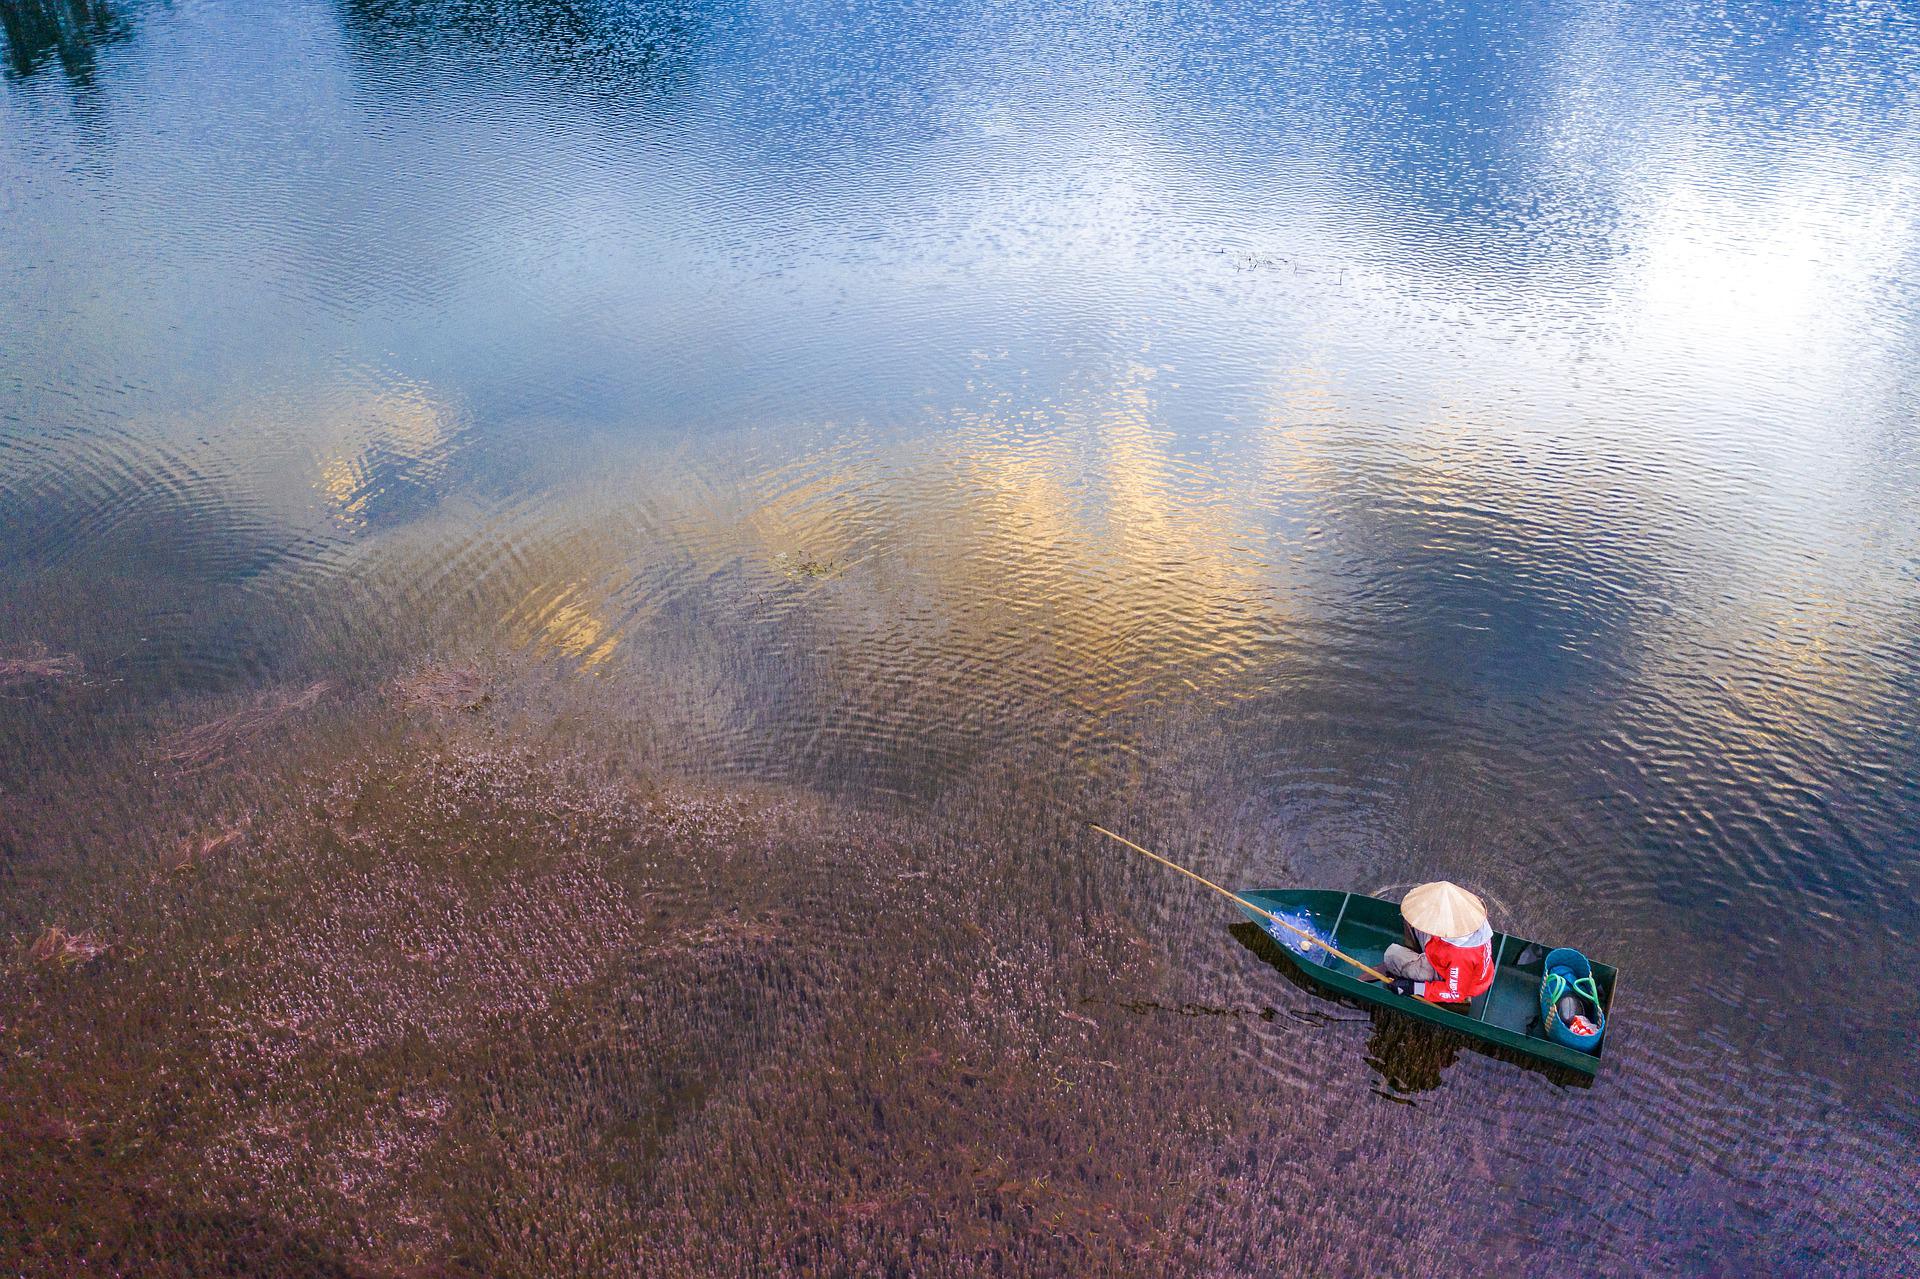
[
  {"x": 454, "y": 1002},
  {"x": 456, "y": 996}
]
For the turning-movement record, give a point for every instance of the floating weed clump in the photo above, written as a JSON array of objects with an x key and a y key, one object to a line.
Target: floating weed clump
[
  {"x": 442, "y": 688},
  {"x": 197, "y": 850},
  {"x": 56, "y": 945},
  {"x": 214, "y": 741},
  {"x": 37, "y": 667}
]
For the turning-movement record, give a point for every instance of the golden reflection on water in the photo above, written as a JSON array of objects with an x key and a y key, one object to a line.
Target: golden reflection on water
[
  {"x": 989, "y": 561},
  {"x": 565, "y": 622},
  {"x": 1056, "y": 529},
  {"x": 344, "y": 480},
  {"x": 375, "y": 429}
]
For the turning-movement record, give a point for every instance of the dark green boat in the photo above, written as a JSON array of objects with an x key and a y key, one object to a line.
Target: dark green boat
[{"x": 1508, "y": 1014}]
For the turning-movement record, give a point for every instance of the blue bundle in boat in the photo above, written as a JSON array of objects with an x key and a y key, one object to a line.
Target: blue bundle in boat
[
  {"x": 1570, "y": 1001},
  {"x": 1303, "y": 920}
]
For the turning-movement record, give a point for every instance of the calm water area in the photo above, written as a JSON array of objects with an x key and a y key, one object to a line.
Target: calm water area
[{"x": 1341, "y": 445}]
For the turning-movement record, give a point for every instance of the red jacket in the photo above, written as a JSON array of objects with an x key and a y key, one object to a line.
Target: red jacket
[{"x": 1465, "y": 965}]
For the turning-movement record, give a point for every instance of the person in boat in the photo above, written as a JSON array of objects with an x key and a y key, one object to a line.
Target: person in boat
[{"x": 1448, "y": 958}]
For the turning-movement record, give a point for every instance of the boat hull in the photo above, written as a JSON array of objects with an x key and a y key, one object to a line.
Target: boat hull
[{"x": 1507, "y": 1015}]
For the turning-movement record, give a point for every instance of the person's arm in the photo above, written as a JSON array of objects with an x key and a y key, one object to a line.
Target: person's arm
[{"x": 1444, "y": 988}]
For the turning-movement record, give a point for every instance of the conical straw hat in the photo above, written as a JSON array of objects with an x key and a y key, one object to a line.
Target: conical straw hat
[{"x": 1443, "y": 909}]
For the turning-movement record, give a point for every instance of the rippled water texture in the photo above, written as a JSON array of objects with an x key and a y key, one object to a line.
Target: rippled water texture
[{"x": 1342, "y": 444}]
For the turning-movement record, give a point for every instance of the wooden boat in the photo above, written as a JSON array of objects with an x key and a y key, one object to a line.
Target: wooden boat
[{"x": 1508, "y": 1014}]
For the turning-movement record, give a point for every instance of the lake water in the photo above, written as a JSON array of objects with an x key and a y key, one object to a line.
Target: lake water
[{"x": 1339, "y": 445}]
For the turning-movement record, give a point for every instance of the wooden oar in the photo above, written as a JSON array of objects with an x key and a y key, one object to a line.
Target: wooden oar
[{"x": 1374, "y": 973}]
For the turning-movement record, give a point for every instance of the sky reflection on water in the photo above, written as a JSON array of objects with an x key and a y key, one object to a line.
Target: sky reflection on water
[{"x": 1494, "y": 423}]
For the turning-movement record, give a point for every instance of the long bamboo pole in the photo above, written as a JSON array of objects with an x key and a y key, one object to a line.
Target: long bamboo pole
[{"x": 1374, "y": 973}]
